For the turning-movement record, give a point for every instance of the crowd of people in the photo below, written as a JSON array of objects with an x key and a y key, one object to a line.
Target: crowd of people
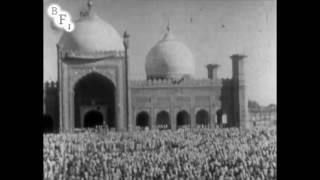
[{"x": 226, "y": 153}]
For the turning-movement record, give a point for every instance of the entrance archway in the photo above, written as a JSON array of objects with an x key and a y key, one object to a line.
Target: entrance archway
[
  {"x": 163, "y": 120},
  {"x": 222, "y": 118},
  {"x": 202, "y": 118},
  {"x": 183, "y": 119},
  {"x": 219, "y": 116},
  {"x": 91, "y": 90},
  {"x": 93, "y": 118},
  {"x": 47, "y": 124},
  {"x": 142, "y": 120}
]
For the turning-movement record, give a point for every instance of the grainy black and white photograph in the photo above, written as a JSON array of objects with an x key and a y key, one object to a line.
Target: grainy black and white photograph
[{"x": 159, "y": 89}]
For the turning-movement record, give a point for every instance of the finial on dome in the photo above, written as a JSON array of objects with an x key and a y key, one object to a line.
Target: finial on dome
[
  {"x": 168, "y": 35},
  {"x": 90, "y": 3},
  {"x": 87, "y": 11},
  {"x": 126, "y": 39}
]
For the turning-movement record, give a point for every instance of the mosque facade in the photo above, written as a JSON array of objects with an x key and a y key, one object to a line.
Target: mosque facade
[{"x": 94, "y": 88}]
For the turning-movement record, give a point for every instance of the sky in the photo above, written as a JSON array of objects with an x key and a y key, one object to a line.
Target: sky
[{"x": 212, "y": 29}]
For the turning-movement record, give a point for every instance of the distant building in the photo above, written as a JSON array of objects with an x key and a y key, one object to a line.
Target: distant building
[
  {"x": 92, "y": 86},
  {"x": 262, "y": 116}
]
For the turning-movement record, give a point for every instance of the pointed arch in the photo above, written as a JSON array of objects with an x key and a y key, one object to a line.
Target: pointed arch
[
  {"x": 93, "y": 118},
  {"x": 143, "y": 119},
  {"x": 47, "y": 123},
  {"x": 95, "y": 88},
  {"x": 163, "y": 120},
  {"x": 183, "y": 119},
  {"x": 202, "y": 118}
]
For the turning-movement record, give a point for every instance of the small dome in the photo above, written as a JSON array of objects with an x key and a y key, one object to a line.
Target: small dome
[
  {"x": 170, "y": 59},
  {"x": 91, "y": 34}
]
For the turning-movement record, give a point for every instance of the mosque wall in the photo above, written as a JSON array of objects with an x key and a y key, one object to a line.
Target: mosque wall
[
  {"x": 214, "y": 96},
  {"x": 153, "y": 99},
  {"x": 174, "y": 99},
  {"x": 262, "y": 115},
  {"x": 51, "y": 103}
]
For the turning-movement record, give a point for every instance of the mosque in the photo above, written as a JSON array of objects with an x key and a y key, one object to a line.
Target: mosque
[{"x": 93, "y": 86}]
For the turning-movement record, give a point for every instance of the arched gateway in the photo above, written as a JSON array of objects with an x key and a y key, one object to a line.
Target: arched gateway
[
  {"x": 94, "y": 101},
  {"x": 183, "y": 119},
  {"x": 92, "y": 73},
  {"x": 202, "y": 118},
  {"x": 163, "y": 120},
  {"x": 142, "y": 120},
  {"x": 47, "y": 124},
  {"x": 93, "y": 118}
]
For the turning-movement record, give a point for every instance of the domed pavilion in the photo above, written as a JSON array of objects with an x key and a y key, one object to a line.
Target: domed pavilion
[{"x": 169, "y": 58}]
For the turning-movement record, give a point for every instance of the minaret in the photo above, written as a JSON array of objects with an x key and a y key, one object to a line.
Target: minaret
[
  {"x": 59, "y": 87},
  {"x": 126, "y": 46},
  {"x": 239, "y": 91},
  {"x": 212, "y": 71}
]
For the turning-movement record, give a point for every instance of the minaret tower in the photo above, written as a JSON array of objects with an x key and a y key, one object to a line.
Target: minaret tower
[{"x": 239, "y": 91}]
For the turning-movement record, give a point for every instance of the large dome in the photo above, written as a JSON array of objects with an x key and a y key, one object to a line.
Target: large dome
[
  {"x": 170, "y": 59},
  {"x": 91, "y": 34}
]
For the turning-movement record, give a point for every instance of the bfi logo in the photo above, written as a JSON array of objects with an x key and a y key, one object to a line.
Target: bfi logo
[{"x": 62, "y": 19}]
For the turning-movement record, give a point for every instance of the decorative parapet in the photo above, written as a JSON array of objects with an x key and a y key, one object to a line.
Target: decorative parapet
[
  {"x": 227, "y": 82},
  {"x": 91, "y": 55},
  {"x": 50, "y": 85},
  {"x": 254, "y": 107},
  {"x": 155, "y": 83},
  {"x": 226, "y": 79}
]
